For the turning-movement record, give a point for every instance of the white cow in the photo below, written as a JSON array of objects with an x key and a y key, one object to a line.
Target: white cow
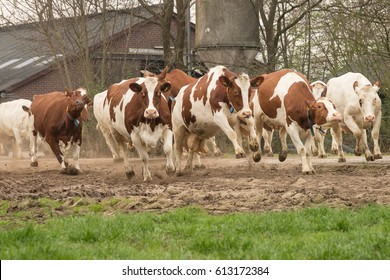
[
  {"x": 14, "y": 123},
  {"x": 357, "y": 100}
]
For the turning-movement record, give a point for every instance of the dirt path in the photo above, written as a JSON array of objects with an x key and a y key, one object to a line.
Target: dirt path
[{"x": 227, "y": 185}]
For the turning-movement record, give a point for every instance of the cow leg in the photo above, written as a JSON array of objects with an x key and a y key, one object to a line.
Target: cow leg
[
  {"x": 188, "y": 167},
  {"x": 111, "y": 143},
  {"x": 301, "y": 149},
  {"x": 129, "y": 170},
  {"x": 356, "y": 131},
  {"x": 375, "y": 136},
  {"x": 314, "y": 140},
  {"x": 143, "y": 154},
  {"x": 308, "y": 141},
  {"x": 259, "y": 131},
  {"x": 267, "y": 137},
  {"x": 216, "y": 150},
  {"x": 335, "y": 146},
  {"x": 364, "y": 146},
  {"x": 221, "y": 120},
  {"x": 337, "y": 137},
  {"x": 76, "y": 156},
  {"x": 33, "y": 149},
  {"x": 57, "y": 152},
  {"x": 253, "y": 142},
  {"x": 168, "y": 142},
  {"x": 283, "y": 142},
  {"x": 320, "y": 139},
  {"x": 179, "y": 135},
  {"x": 18, "y": 144}
]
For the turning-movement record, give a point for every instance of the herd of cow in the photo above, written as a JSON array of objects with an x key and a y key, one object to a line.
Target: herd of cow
[{"x": 182, "y": 113}]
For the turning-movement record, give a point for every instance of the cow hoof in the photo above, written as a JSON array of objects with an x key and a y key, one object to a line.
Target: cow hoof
[
  {"x": 370, "y": 158},
  {"x": 308, "y": 172},
  {"x": 118, "y": 160},
  {"x": 357, "y": 153},
  {"x": 254, "y": 147},
  {"x": 199, "y": 167},
  {"x": 34, "y": 164},
  {"x": 342, "y": 160},
  {"x": 170, "y": 171},
  {"x": 322, "y": 156},
  {"x": 71, "y": 170},
  {"x": 334, "y": 151},
  {"x": 240, "y": 155},
  {"x": 217, "y": 153},
  {"x": 378, "y": 156},
  {"x": 147, "y": 179},
  {"x": 315, "y": 154},
  {"x": 270, "y": 154},
  {"x": 256, "y": 157},
  {"x": 282, "y": 156},
  {"x": 130, "y": 174}
]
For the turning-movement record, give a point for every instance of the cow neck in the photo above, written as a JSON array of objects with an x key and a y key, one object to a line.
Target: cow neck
[
  {"x": 310, "y": 121},
  {"x": 75, "y": 120}
]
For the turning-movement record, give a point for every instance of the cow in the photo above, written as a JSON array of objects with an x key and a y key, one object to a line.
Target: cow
[
  {"x": 136, "y": 111},
  {"x": 14, "y": 124},
  {"x": 285, "y": 101},
  {"x": 357, "y": 100},
  {"x": 57, "y": 118},
  {"x": 204, "y": 107},
  {"x": 319, "y": 90}
]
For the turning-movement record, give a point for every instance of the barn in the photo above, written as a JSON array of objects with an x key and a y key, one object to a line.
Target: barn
[{"x": 30, "y": 64}]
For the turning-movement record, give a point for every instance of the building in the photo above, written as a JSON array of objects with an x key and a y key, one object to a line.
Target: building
[{"x": 31, "y": 64}]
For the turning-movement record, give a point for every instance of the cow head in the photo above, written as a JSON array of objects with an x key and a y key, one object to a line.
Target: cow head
[
  {"x": 323, "y": 111},
  {"x": 76, "y": 102},
  {"x": 238, "y": 90},
  {"x": 318, "y": 89},
  {"x": 368, "y": 99},
  {"x": 151, "y": 91}
]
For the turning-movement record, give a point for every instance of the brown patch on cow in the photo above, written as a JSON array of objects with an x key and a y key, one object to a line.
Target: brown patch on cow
[
  {"x": 318, "y": 113},
  {"x": 266, "y": 90},
  {"x": 178, "y": 79},
  {"x": 188, "y": 118},
  {"x": 115, "y": 95},
  {"x": 295, "y": 103}
]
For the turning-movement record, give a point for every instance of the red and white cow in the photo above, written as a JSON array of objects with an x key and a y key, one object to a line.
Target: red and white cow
[
  {"x": 357, "y": 100},
  {"x": 204, "y": 107},
  {"x": 57, "y": 118},
  {"x": 136, "y": 111},
  {"x": 14, "y": 124},
  {"x": 285, "y": 101}
]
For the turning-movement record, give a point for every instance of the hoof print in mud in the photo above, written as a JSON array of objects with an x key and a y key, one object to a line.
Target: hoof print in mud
[{"x": 34, "y": 164}]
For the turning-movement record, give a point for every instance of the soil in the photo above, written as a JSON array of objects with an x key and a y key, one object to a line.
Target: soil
[{"x": 226, "y": 185}]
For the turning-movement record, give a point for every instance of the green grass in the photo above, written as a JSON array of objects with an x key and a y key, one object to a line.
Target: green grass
[{"x": 191, "y": 233}]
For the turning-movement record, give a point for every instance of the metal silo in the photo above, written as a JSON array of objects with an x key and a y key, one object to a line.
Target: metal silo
[{"x": 227, "y": 33}]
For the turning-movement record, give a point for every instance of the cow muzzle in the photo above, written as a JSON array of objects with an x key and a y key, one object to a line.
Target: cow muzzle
[
  {"x": 245, "y": 114},
  {"x": 336, "y": 117},
  {"x": 151, "y": 114},
  {"x": 369, "y": 119}
]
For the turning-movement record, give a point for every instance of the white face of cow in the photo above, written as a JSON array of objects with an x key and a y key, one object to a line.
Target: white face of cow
[
  {"x": 151, "y": 111},
  {"x": 368, "y": 100},
  {"x": 243, "y": 83},
  {"x": 333, "y": 115}
]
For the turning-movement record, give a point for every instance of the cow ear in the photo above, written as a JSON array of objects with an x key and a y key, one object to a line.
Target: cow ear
[
  {"x": 163, "y": 73},
  {"x": 68, "y": 92},
  {"x": 135, "y": 87},
  {"x": 377, "y": 85},
  {"x": 165, "y": 87},
  {"x": 26, "y": 109},
  {"x": 356, "y": 86},
  {"x": 324, "y": 92},
  {"x": 257, "y": 81},
  {"x": 309, "y": 104},
  {"x": 225, "y": 81}
]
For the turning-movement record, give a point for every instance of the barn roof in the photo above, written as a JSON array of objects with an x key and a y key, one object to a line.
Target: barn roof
[{"x": 25, "y": 53}]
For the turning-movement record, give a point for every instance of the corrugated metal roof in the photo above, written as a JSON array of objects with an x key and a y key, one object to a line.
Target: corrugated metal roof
[{"x": 24, "y": 51}]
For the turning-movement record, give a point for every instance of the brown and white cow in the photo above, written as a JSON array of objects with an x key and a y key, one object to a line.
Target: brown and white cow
[
  {"x": 204, "y": 107},
  {"x": 137, "y": 111},
  {"x": 57, "y": 118},
  {"x": 358, "y": 102},
  {"x": 285, "y": 101}
]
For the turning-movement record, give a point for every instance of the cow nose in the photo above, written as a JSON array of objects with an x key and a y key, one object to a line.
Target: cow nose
[
  {"x": 79, "y": 103},
  {"x": 247, "y": 114},
  {"x": 337, "y": 116},
  {"x": 151, "y": 113},
  {"x": 369, "y": 118}
]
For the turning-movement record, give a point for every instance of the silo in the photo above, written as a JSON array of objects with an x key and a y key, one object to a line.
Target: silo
[{"x": 227, "y": 33}]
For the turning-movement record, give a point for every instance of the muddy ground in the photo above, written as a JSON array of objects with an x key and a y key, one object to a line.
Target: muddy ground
[{"x": 226, "y": 185}]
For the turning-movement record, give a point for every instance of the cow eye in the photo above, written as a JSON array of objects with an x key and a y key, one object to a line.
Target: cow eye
[
  {"x": 236, "y": 92},
  {"x": 360, "y": 102}
]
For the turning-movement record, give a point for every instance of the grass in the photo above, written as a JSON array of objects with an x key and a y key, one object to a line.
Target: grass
[{"x": 191, "y": 233}]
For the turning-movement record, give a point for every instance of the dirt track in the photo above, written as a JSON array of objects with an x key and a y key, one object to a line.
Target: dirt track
[{"x": 227, "y": 185}]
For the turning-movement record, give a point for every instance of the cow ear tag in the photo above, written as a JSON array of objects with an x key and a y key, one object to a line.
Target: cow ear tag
[{"x": 76, "y": 122}]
